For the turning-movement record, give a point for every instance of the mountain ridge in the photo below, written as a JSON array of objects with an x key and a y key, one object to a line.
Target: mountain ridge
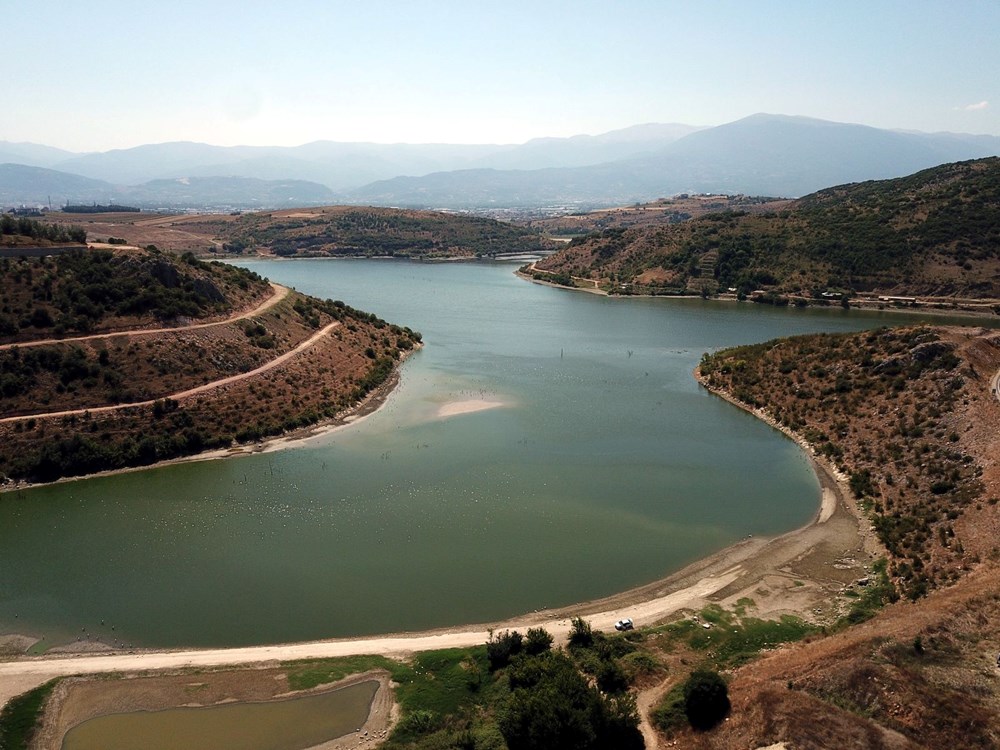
[{"x": 763, "y": 154}]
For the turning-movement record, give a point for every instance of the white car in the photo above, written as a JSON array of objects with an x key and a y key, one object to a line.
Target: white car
[{"x": 624, "y": 624}]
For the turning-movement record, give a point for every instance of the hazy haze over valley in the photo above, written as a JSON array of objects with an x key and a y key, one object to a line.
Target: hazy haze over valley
[{"x": 454, "y": 106}]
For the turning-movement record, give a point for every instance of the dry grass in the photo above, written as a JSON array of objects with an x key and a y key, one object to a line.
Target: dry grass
[{"x": 919, "y": 674}]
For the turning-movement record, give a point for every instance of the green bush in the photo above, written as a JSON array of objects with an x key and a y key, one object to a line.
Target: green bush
[
  {"x": 706, "y": 699},
  {"x": 582, "y": 634}
]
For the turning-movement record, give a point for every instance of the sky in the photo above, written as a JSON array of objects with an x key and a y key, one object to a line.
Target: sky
[{"x": 106, "y": 74}]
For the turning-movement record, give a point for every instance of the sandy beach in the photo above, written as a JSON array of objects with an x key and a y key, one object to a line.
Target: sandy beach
[{"x": 470, "y": 406}]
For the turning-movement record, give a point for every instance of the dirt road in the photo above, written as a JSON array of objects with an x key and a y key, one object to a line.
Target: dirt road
[
  {"x": 22, "y": 674},
  {"x": 279, "y": 293},
  {"x": 191, "y": 391}
]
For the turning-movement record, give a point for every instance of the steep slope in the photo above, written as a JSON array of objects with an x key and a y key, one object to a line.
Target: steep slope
[
  {"x": 32, "y": 154},
  {"x": 215, "y": 192},
  {"x": 98, "y": 291},
  {"x": 907, "y": 415},
  {"x": 911, "y": 417},
  {"x": 350, "y": 165},
  {"x": 936, "y": 232},
  {"x": 790, "y": 156},
  {"x": 37, "y": 185}
]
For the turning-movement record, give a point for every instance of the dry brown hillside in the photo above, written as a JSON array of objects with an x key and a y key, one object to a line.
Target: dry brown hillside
[
  {"x": 125, "y": 358},
  {"x": 912, "y": 417}
]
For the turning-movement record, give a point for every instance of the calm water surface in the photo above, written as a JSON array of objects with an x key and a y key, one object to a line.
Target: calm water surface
[
  {"x": 291, "y": 724},
  {"x": 607, "y": 468}
]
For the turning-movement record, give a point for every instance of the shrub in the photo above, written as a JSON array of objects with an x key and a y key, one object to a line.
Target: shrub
[
  {"x": 581, "y": 635},
  {"x": 503, "y": 647},
  {"x": 537, "y": 641},
  {"x": 706, "y": 699}
]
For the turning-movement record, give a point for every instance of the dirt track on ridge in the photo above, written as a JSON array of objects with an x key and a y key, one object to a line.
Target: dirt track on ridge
[{"x": 279, "y": 293}]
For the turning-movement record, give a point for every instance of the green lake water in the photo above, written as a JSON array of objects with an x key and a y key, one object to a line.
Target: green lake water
[
  {"x": 292, "y": 724},
  {"x": 608, "y": 467}
]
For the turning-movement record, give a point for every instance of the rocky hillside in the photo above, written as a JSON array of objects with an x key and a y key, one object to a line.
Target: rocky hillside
[
  {"x": 935, "y": 233},
  {"x": 908, "y": 415},
  {"x": 183, "y": 356}
]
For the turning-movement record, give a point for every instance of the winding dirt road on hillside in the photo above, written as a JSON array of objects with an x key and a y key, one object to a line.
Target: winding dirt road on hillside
[
  {"x": 277, "y": 361},
  {"x": 279, "y": 293}
]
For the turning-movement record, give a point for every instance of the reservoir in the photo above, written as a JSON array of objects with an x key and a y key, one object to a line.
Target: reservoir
[
  {"x": 290, "y": 724},
  {"x": 604, "y": 467}
]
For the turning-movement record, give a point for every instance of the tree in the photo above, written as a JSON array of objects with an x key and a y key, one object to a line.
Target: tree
[
  {"x": 706, "y": 699},
  {"x": 611, "y": 678},
  {"x": 502, "y": 647},
  {"x": 538, "y": 641},
  {"x": 581, "y": 635},
  {"x": 551, "y": 706}
]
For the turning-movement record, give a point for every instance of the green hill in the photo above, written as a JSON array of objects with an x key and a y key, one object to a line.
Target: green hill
[
  {"x": 354, "y": 231},
  {"x": 934, "y": 233},
  {"x": 91, "y": 291}
]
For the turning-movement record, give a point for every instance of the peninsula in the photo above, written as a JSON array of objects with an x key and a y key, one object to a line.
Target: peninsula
[{"x": 113, "y": 359}]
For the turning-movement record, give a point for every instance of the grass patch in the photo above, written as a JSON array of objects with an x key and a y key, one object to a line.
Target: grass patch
[
  {"x": 879, "y": 592},
  {"x": 19, "y": 717},
  {"x": 669, "y": 715},
  {"x": 737, "y": 644},
  {"x": 310, "y": 673},
  {"x": 436, "y": 689},
  {"x": 731, "y": 640}
]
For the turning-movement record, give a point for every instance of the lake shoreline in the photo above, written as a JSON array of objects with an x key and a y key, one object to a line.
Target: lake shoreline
[
  {"x": 864, "y": 306},
  {"x": 371, "y": 403},
  {"x": 789, "y": 574},
  {"x": 769, "y": 564}
]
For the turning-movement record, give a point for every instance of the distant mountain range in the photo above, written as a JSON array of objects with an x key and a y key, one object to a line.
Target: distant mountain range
[
  {"x": 760, "y": 155},
  {"x": 21, "y": 184}
]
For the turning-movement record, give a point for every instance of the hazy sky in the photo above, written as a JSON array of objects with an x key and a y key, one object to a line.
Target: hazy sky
[{"x": 105, "y": 74}]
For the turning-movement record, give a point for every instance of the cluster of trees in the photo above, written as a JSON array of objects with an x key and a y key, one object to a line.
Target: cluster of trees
[
  {"x": 534, "y": 697},
  {"x": 75, "y": 291},
  {"x": 551, "y": 704},
  {"x": 84, "y": 454},
  {"x": 20, "y": 369},
  {"x": 24, "y": 227}
]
